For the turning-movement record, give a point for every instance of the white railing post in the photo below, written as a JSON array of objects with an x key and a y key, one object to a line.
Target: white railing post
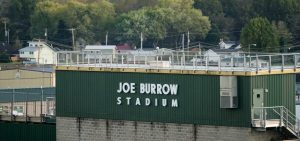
[
  {"x": 250, "y": 61},
  {"x": 111, "y": 60},
  {"x": 145, "y": 60},
  {"x": 181, "y": 62},
  {"x": 206, "y": 63},
  {"x": 77, "y": 58},
  {"x": 287, "y": 117},
  {"x": 156, "y": 62},
  {"x": 265, "y": 117},
  {"x": 281, "y": 116},
  {"x": 244, "y": 65},
  {"x": 270, "y": 63},
  {"x": 67, "y": 59},
  {"x": 57, "y": 59},
  {"x": 88, "y": 57},
  {"x": 122, "y": 60},
  {"x": 83, "y": 58},
  {"x": 295, "y": 62},
  {"x": 231, "y": 60},
  {"x": 282, "y": 62},
  {"x": 134, "y": 59},
  {"x": 170, "y": 61},
  {"x": 256, "y": 63}
]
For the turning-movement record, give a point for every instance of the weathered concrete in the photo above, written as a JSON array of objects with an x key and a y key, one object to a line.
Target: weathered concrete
[{"x": 79, "y": 129}]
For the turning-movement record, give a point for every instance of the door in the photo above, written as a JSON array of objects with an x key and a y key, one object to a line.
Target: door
[
  {"x": 257, "y": 103},
  {"x": 258, "y": 98}
]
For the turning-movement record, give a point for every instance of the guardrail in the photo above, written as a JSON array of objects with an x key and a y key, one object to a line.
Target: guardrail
[
  {"x": 26, "y": 105},
  {"x": 278, "y": 116},
  {"x": 180, "y": 60}
]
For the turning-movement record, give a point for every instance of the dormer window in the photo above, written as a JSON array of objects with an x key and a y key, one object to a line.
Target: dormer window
[{"x": 30, "y": 45}]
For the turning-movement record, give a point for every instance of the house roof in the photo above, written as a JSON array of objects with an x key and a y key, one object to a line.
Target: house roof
[
  {"x": 123, "y": 47},
  {"x": 38, "y": 44},
  {"x": 99, "y": 47},
  {"x": 27, "y": 49}
]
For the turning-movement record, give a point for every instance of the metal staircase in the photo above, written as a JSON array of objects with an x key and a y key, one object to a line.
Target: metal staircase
[{"x": 278, "y": 116}]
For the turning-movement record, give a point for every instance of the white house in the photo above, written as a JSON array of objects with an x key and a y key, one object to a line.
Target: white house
[
  {"x": 212, "y": 56},
  {"x": 38, "y": 52},
  {"x": 106, "y": 52}
]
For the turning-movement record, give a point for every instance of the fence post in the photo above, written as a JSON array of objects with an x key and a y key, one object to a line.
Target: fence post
[
  {"x": 12, "y": 105},
  {"x": 42, "y": 98},
  {"x": 26, "y": 107}
]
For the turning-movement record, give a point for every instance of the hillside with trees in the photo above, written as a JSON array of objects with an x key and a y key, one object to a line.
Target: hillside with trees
[{"x": 274, "y": 25}]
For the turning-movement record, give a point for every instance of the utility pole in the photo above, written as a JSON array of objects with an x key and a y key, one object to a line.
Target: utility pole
[
  {"x": 6, "y": 31},
  {"x": 8, "y": 36},
  {"x": 5, "y": 22},
  {"x": 141, "y": 40},
  {"x": 46, "y": 34},
  {"x": 106, "y": 38},
  {"x": 73, "y": 38}
]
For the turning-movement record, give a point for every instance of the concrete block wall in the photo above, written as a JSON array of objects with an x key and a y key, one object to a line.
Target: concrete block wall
[{"x": 82, "y": 129}]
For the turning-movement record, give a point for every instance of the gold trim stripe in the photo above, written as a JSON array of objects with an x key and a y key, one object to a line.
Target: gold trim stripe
[{"x": 172, "y": 71}]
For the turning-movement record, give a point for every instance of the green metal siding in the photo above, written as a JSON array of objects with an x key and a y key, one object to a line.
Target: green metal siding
[
  {"x": 93, "y": 95},
  {"x": 281, "y": 89},
  {"x": 12, "y": 131}
]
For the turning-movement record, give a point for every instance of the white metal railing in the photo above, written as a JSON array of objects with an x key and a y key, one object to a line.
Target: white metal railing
[
  {"x": 278, "y": 116},
  {"x": 180, "y": 60}
]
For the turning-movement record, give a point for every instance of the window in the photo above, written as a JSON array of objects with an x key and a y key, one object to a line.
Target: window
[
  {"x": 22, "y": 52},
  {"x": 30, "y": 52}
]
